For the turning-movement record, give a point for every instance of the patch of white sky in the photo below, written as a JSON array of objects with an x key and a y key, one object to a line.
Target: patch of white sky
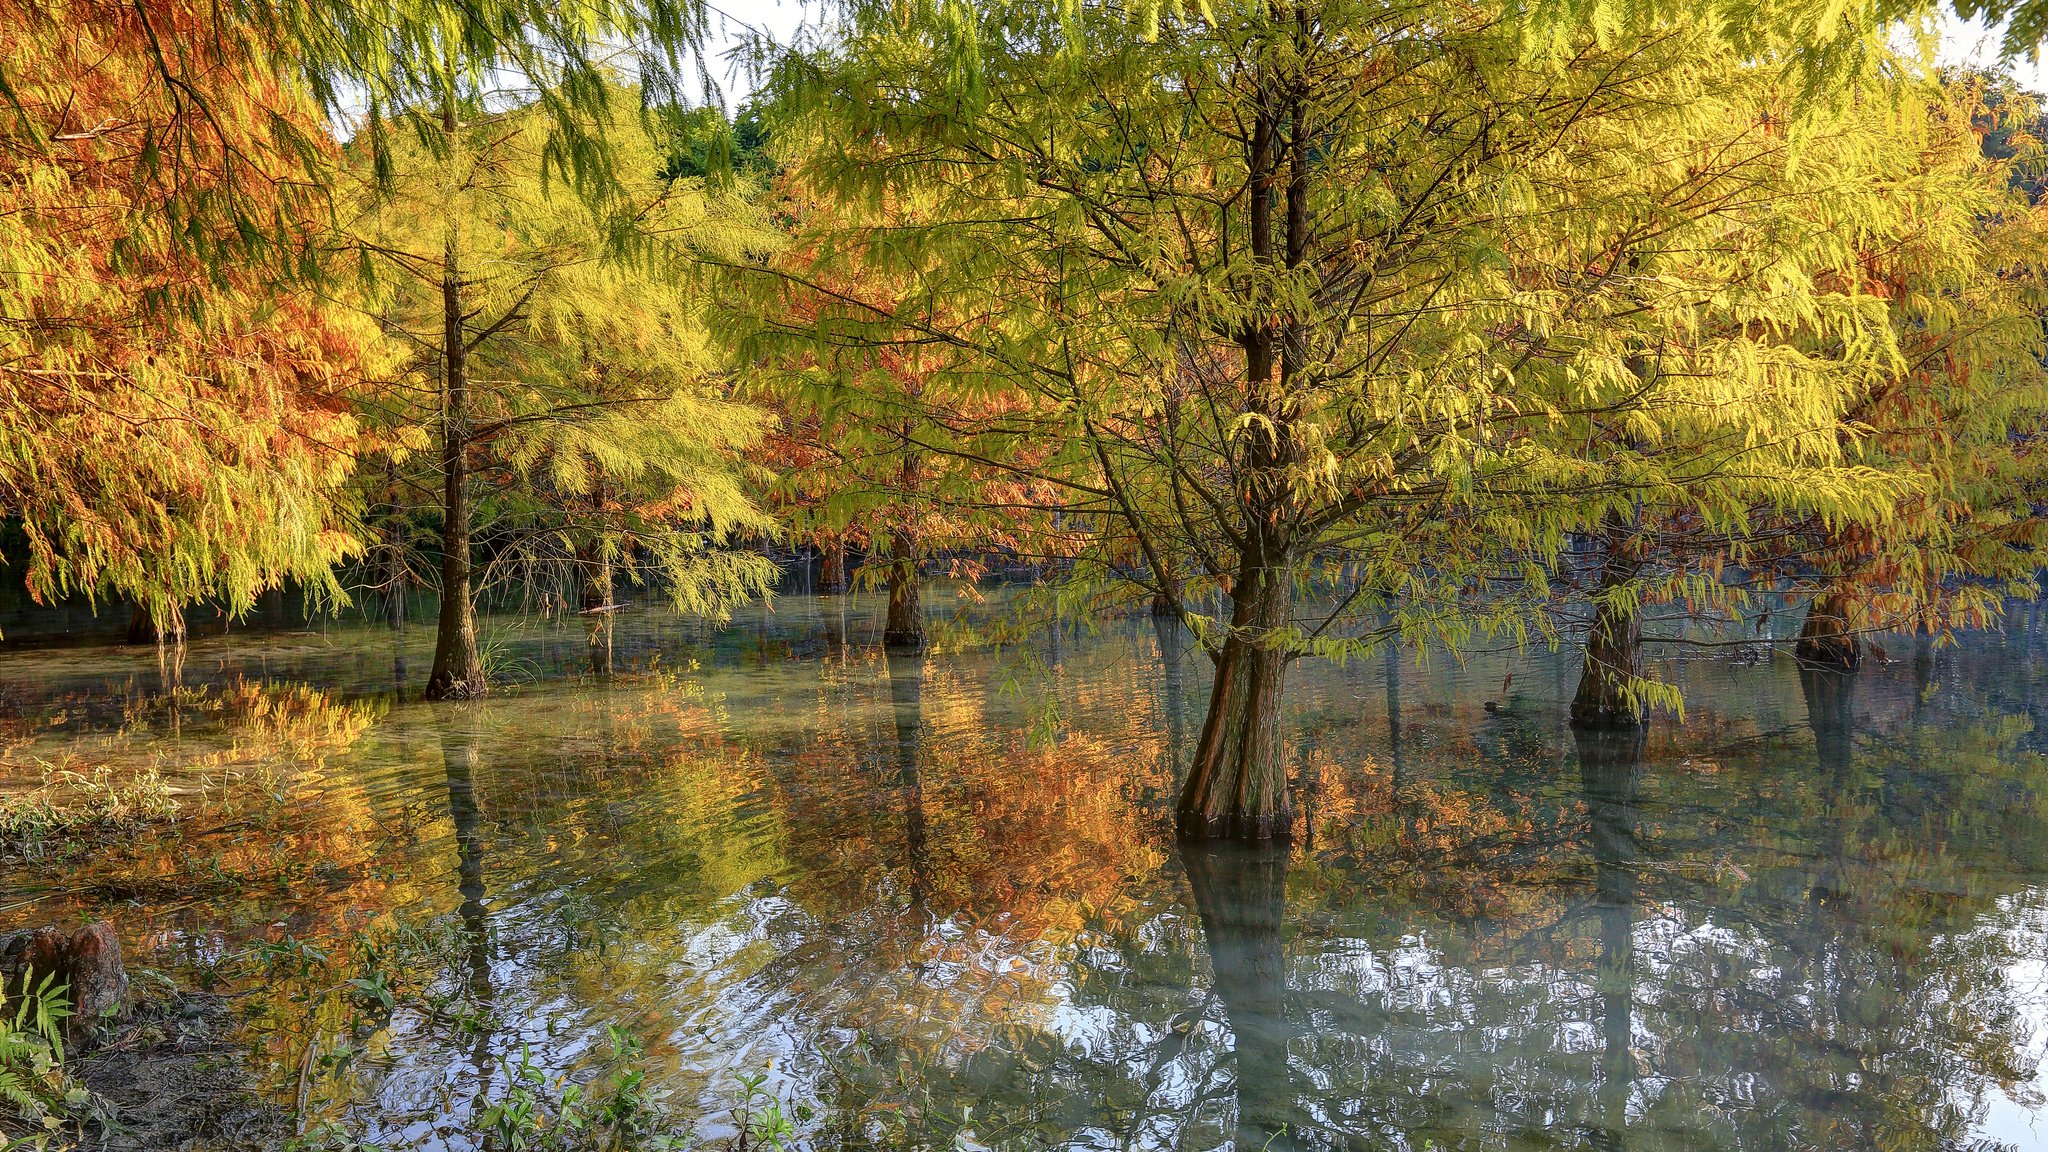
[
  {"x": 1969, "y": 43},
  {"x": 734, "y": 21}
]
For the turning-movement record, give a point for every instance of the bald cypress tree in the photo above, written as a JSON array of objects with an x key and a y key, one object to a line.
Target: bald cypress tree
[{"x": 561, "y": 401}]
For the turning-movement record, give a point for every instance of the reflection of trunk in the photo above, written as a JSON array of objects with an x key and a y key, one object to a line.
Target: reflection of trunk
[
  {"x": 1391, "y": 672},
  {"x": 458, "y": 758},
  {"x": 1610, "y": 763},
  {"x": 1237, "y": 786},
  {"x": 1397, "y": 751},
  {"x": 833, "y": 576},
  {"x": 1614, "y": 647},
  {"x": 903, "y": 631},
  {"x": 1828, "y": 639},
  {"x": 835, "y": 630},
  {"x": 906, "y": 697},
  {"x": 594, "y": 564},
  {"x": 1173, "y": 650},
  {"x": 1241, "y": 896},
  {"x": 1828, "y": 709},
  {"x": 458, "y": 670}
]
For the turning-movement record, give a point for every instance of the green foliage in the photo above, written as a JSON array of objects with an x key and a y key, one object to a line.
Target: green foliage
[
  {"x": 599, "y": 427},
  {"x": 34, "y": 1085},
  {"x": 1619, "y": 270}
]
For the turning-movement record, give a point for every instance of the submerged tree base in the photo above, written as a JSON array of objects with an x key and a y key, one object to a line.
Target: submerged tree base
[
  {"x": 1827, "y": 640},
  {"x": 904, "y": 641},
  {"x": 456, "y": 688},
  {"x": 1606, "y": 697},
  {"x": 1607, "y": 715},
  {"x": 1265, "y": 828}
]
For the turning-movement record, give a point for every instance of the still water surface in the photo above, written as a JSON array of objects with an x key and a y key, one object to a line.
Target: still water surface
[{"x": 937, "y": 899}]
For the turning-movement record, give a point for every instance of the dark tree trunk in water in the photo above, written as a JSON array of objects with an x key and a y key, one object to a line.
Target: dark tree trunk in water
[
  {"x": 143, "y": 628},
  {"x": 1610, "y": 765},
  {"x": 1237, "y": 786},
  {"x": 594, "y": 565},
  {"x": 458, "y": 671},
  {"x": 832, "y": 577},
  {"x": 903, "y": 631},
  {"x": 906, "y": 697},
  {"x": 1241, "y": 896},
  {"x": 1827, "y": 639},
  {"x": 1614, "y": 648}
]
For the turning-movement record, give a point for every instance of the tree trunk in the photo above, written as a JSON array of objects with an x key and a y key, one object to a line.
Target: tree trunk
[
  {"x": 458, "y": 671},
  {"x": 833, "y": 576},
  {"x": 1614, "y": 648},
  {"x": 143, "y": 627},
  {"x": 903, "y": 631},
  {"x": 1828, "y": 639},
  {"x": 1172, "y": 636},
  {"x": 395, "y": 581},
  {"x": 1237, "y": 786},
  {"x": 594, "y": 567},
  {"x": 1164, "y": 600}
]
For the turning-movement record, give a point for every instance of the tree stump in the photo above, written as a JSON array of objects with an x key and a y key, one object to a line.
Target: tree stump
[{"x": 87, "y": 963}]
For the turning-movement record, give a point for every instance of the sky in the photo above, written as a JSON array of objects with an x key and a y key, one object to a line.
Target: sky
[
  {"x": 1963, "y": 42},
  {"x": 1967, "y": 42}
]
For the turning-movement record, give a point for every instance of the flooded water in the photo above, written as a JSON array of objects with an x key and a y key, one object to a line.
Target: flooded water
[{"x": 937, "y": 903}]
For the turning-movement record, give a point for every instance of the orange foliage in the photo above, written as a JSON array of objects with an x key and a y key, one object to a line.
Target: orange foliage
[{"x": 172, "y": 411}]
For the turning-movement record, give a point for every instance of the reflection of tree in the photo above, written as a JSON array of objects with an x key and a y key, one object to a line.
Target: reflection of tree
[
  {"x": 459, "y": 760},
  {"x": 1788, "y": 945},
  {"x": 1241, "y": 896},
  {"x": 906, "y": 700},
  {"x": 1172, "y": 637},
  {"x": 1609, "y": 764},
  {"x": 1828, "y": 693}
]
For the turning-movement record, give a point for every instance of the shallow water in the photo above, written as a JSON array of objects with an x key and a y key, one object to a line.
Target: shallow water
[{"x": 937, "y": 900}]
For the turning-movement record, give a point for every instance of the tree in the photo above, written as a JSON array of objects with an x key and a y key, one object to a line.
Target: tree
[
  {"x": 360, "y": 62},
  {"x": 867, "y": 446},
  {"x": 1965, "y": 410},
  {"x": 175, "y": 421},
  {"x": 560, "y": 395},
  {"x": 1318, "y": 304},
  {"x": 1891, "y": 170}
]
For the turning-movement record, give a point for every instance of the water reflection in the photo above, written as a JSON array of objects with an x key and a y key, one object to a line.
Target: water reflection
[
  {"x": 1813, "y": 917},
  {"x": 1241, "y": 897},
  {"x": 1610, "y": 763}
]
